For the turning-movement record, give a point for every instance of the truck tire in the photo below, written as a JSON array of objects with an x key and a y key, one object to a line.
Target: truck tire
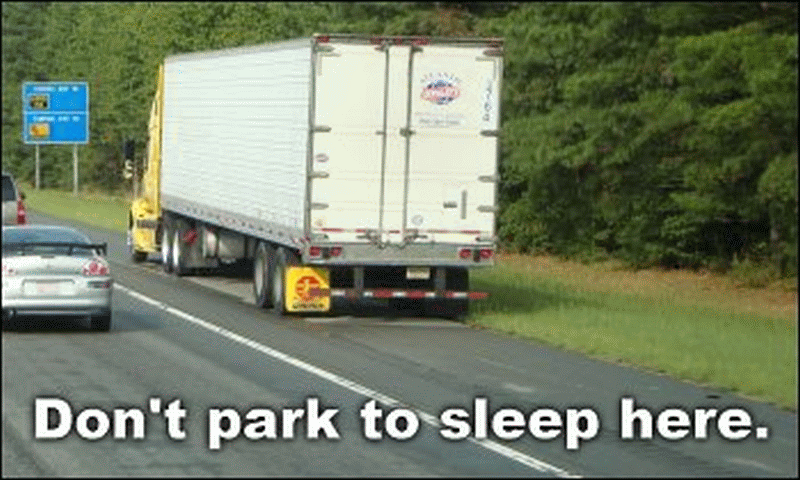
[
  {"x": 262, "y": 274},
  {"x": 451, "y": 308},
  {"x": 178, "y": 252},
  {"x": 283, "y": 257},
  {"x": 166, "y": 245}
]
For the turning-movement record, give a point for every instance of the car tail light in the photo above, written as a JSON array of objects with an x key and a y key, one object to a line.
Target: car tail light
[
  {"x": 22, "y": 217},
  {"x": 314, "y": 251},
  {"x": 335, "y": 251},
  {"x": 95, "y": 268},
  {"x": 465, "y": 253},
  {"x": 486, "y": 253}
]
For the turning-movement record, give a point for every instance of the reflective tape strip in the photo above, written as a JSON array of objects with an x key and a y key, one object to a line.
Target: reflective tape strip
[
  {"x": 420, "y": 230},
  {"x": 415, "y": 294}
]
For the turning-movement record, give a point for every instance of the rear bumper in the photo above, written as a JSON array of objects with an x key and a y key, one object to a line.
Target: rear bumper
[
  {"x": 418, "y": 254},
  {"x": 62, "y": 308}
]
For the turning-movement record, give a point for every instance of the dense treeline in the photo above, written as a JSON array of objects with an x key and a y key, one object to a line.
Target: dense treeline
[{"x": 661, "y": 133}]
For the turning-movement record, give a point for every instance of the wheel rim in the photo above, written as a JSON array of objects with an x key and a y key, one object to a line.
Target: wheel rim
[
  {"x": 165, "y": 247},
  {"x": 258, "y": 273},
  {"x": 277, "y": 286},
  {"x": 176, "y": 250}
]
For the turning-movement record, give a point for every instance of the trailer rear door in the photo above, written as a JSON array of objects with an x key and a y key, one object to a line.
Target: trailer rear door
[{"x": 405, "y": 145}]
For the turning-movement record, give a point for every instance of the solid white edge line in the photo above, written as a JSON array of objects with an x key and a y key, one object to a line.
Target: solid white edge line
[{"x": 503, "y": 450}]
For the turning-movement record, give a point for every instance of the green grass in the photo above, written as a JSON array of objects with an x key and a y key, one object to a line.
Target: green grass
[
  {"x": 672, "y": 331},
  {"x": 751, "y": 354},
  {"x": 89, "y": 208}
]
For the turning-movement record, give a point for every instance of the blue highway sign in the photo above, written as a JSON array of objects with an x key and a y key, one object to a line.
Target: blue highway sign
[{"x": 55, "y": 112}]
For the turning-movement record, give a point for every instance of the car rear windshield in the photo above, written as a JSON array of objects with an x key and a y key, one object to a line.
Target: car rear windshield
[
  {"x": 45, "y": 235},
  {"x": 9, "y": 194}
]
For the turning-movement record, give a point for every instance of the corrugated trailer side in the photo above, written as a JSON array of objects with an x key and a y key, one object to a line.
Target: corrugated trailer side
[{"x": 235, "y": 138}]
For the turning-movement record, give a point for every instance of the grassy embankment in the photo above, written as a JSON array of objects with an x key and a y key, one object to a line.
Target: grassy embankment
[{"x": 698, "y": 327}]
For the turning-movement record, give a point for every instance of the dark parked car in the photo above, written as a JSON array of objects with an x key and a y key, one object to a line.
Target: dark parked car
[{"x": 13, "y": 206}]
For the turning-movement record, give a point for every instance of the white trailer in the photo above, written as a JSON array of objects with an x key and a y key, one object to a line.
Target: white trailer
[{"x": 369, "y": 163}]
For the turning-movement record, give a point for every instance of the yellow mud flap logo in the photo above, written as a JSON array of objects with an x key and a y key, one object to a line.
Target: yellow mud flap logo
[{"x": 308, "y": 289}]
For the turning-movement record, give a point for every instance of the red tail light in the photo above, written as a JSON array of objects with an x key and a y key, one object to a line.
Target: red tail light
[
  {"x": 314, "y": 251},
  {"x": 95, "y": 268},
  {"x": 22, "y": 217},
  {"x": 190, "y": 236},
  {"x": 486, "y": 253},
  {"x": 335, "y": 251},
  {"x": 465, "y": 253}
]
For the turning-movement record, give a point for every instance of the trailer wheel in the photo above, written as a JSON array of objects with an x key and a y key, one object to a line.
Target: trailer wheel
[
  {"x": 262, "y": 274},
  {"x": 451, "y": 308},
  {"x": 166, "y": 245},
  {"x": 283, "y": 257},
  {"x": 178, "y": 253}
]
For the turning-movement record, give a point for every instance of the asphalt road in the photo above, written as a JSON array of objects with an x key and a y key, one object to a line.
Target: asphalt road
[{"x": 200, "y": 340}]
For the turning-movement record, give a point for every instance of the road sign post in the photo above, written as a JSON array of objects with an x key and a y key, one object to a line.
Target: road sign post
[
  {"x": 56, "y": 113},
  {"x": 37, "y": 167}
]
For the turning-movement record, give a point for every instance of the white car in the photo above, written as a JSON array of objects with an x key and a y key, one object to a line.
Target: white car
[{"x": 55, "y": 271}]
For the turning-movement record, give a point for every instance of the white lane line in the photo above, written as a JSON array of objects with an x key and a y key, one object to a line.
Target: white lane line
[{"x": 343, "y": 382}]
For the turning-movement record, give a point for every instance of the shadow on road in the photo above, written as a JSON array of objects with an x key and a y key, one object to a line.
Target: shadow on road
[{"x": 122, "y": 321}]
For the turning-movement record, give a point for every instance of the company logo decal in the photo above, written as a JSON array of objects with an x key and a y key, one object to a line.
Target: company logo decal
[
  {"x": 306, "y": 287},
  {"x": 440, "y": 88}
]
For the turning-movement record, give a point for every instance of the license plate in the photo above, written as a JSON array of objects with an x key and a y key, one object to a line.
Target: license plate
[
  {"x": 59, "y": 287},
  {"x": 418, "y": 273}
]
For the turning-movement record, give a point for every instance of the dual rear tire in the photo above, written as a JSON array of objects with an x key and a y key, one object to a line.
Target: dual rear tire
[
  {"x": 173, "y": 251},
  {"x": 269, "y": 267},
  {"x": 166, "y": 245},
  {"x": 262, "y": 275}
]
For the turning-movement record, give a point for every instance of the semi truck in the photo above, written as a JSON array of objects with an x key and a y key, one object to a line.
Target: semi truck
[{"x": 353, "y": 166}]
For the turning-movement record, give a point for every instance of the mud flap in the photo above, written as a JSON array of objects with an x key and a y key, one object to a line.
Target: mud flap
[{"x": 307, "y": 289}]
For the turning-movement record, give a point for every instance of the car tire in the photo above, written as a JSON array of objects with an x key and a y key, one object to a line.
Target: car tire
[
  {"x": 283, "y": 258},
  {"x": 100, "y": 323},
  {"x": 263, "y": 265}
]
